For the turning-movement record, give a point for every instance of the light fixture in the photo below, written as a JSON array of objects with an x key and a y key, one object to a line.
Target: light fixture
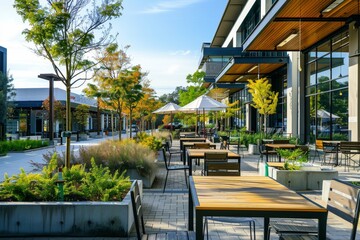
[
  {"x": 291, "y": 36},
  {"x": 252, "y": 69},
  {"x": 239, "y": 78},
  {"x": 333, "y": 5}
]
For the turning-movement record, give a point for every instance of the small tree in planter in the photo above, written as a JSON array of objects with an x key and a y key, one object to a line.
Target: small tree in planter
[
  {"x": 294, "y": 159},
  {"x": 263, "y": 99},
  {"x": 81, "y": 115}
]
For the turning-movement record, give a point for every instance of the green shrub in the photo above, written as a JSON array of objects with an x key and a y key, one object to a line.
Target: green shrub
[
  {"x": 96, "y": 184},
  {"x": 151, "y": 141},
  {"x": 293, "y": 158},
  {"x": 120, "y": 155},
  {"x": 21, "y": 145}
]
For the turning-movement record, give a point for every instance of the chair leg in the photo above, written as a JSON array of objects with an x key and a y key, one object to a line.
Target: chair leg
[{"x": 167, "y": 173}]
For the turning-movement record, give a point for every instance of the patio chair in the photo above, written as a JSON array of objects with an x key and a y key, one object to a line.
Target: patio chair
[
  {"x": 213, "y": 157},
  {"x": 200, "y": 145},
  {"x": 343, "y": 201},
  {"x": 171, "y": 153},
  {"x": 173, "y": 168},
  {"x": 225, "y": 142},
  {"x": 227, "y": 169},
  {"x": 329, "y": 149},
  {"x": 319, "y": 148},
  {"x": 272, "y": 154},
  {"x": 139, "y": 220}
]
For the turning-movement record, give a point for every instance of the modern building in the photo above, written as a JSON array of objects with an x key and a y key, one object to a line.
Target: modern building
[
  {"x": 31, "y": 118},
  {"x": 3, "y": 60},
  {"x": 309, "y": 50},
  {"x": 3, "y": 70}
]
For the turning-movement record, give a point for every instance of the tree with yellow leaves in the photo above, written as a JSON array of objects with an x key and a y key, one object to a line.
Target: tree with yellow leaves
[{"x": 263, "y": 99}]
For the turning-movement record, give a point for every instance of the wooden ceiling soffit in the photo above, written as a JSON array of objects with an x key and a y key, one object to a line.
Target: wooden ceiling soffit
[
  {"x": 304, "y": 17},
  {"x": 249, "y": 66}
]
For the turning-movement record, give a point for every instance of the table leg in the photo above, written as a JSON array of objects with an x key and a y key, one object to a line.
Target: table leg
[
  {"x": 199, "y": 225},
  {"x": 266, "y": 228},
  {"x": 322, "y": 226}
]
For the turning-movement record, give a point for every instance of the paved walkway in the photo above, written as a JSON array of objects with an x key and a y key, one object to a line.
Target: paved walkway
[{"x": 169, "y": 210}]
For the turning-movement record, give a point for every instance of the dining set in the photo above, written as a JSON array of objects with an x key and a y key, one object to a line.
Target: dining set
[
  {"x": 240, "y": 197},
  {"x": 349, "y": 151}
]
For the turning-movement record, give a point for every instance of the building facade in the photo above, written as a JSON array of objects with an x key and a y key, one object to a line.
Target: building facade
[
  {"x": 309, "y": 50},
  {"x": 31, "y": 118}
]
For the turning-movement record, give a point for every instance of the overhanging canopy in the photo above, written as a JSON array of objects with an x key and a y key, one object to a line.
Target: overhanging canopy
[
  {"x": 303, "y": 18},
  {"x": 247, "y": 67}
]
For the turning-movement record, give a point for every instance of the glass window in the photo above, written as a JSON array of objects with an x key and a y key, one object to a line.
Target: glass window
[
  {"x": 312, "y": 73},
  {"x": 327, "y": 89},
  {"x": 323, "y": 49}
]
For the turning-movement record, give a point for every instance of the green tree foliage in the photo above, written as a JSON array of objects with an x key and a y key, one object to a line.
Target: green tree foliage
[
  {"x": 133, "y": 91},
  {"x": 59, "y": 110},
  {"x": 263, "y": 99},
  {"x": 110, "y": 87},
  {"x": 194, "y": 89},
  {"x": 81, "y": 115},
  {"x": 147, "y": 104},
  {"x": 65, "y": 32},
  {"x": 6, "y": 93},
  {"x": 172, "y": 97}
]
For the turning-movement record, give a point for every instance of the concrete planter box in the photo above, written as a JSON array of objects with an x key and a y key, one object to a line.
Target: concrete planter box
[
  {"x": 253, "y": 149},
  {"x": 311, "y": 179},
  {"x": 78, "y": 219},
  {"x": 146, "y": 180}
]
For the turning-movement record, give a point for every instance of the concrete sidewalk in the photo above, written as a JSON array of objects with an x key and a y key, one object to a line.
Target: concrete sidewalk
[{"x": 169, "y": 210}]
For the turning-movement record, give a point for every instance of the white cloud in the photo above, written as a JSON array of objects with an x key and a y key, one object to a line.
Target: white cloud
[
  {"x": 181, "y": 52},
  {"x": 166, "y": 6},
  {"x": 166, "y": 70}
]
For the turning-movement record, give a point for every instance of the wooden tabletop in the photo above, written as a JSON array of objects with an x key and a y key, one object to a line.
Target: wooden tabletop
[
  {"x": 187, "y": 144},
  {"x": 280, "y": 145},
  {"x": 200, "y": 153},
  {"x": 276, "y": 164},
  {"x": 193, "y": 139},
  {"x": 248, "y": 193}
]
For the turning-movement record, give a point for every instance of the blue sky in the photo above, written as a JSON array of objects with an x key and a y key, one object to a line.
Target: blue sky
[{"x": 165, "y": 39}]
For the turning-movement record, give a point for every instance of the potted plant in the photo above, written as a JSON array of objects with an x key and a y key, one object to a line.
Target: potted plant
[{"x": 295, "y": 173}]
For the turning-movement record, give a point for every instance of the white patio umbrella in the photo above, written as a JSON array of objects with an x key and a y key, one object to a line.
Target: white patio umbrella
[
  {"x": 321, "y": 113},
  {"x": 203, "y": 103},
  {"x": 169, "y": 108}
]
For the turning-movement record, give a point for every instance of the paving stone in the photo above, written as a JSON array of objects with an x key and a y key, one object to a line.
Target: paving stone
[{"x": 169, "y": 210}]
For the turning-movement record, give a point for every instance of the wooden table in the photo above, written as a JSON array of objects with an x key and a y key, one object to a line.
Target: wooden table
[
  {"x": 200, "y": 153},
  {"x": 184, "y": 134},
  {"x": 278, "y": 146},
  {"x": 193, "y": 139},
  {"x": 248, "y": 196},
  {"x": 186, "y": 145}
]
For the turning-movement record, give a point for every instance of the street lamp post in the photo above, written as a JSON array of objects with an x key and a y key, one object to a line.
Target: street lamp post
[{"x": 51, "y": 78}]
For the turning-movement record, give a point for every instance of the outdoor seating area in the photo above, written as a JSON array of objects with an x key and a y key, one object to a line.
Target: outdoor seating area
[{"x": 182, "y": 209}]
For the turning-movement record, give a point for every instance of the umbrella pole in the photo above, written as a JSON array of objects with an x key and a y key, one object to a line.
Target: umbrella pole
[
  {"x": 196, "y": 123},
  {"x": 171, "y": 121},
  {"x": 204, "y": 121}
]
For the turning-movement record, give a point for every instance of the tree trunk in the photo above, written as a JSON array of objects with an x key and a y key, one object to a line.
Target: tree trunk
[{"x": 68, "y": 127}]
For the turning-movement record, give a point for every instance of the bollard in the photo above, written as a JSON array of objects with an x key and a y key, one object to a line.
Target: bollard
[{"x": 60, "y": 183}]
